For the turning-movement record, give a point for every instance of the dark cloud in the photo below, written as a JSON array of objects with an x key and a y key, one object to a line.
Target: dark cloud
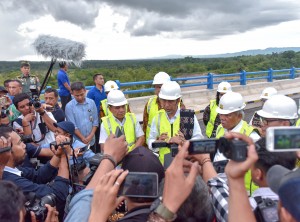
[{"x": 203, "y": 19}]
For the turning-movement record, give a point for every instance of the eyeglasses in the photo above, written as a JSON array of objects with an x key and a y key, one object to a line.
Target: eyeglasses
[
  {"x": 266, "y": 121},
  {"x": 5, "y": 149}
]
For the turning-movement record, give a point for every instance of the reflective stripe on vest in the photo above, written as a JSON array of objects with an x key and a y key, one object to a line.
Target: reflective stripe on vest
[
  {"x": 152, "y": 109},
  {"x": 110, "y": 126},
  {"x": 163, "y": 126},
  {"x": 246, "y": 130},
  {"x": 212, "y": 117}
]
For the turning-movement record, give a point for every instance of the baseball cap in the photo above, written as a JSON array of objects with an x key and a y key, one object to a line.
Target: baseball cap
[
  {"x": 142, "y": 159},
  {"x": 286, "y": 183},
  {"x": 2, "y": 89},
  {"x": 67, "y": 126}
]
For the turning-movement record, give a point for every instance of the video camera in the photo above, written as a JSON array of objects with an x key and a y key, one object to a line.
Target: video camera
[
  {"x": 232, "y": 149},
  {"x": 38, "y": 206},
  {"x": 55, "y": 145},
  {"x": 94, "y": 163}
]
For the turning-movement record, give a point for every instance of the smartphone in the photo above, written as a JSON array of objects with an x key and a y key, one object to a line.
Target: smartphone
[
  {"x": 140, "y": 184},
  {"x": 203, "y": 146},
  {"x": 118, "y": 132},
  {"x": 83, "y": 149},
  {"x": 281, "y": 139}
]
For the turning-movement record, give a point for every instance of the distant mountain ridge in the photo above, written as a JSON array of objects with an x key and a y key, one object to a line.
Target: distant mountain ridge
[{"x": 234, "y": 54}]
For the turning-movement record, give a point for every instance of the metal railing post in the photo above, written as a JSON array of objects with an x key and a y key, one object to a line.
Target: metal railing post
[
  {"x": 210, "y": 81},
  {"x": 243, "y": 78},
  {"x": 270, "y": 75},
  {"x": 292, "y": 73},
  {"x": 118, "y": 83}
]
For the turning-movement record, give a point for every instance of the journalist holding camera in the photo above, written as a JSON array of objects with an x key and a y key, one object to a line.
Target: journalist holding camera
[
  {"x": 34, "y": 119},
  {"x": 52, "y": 178}
]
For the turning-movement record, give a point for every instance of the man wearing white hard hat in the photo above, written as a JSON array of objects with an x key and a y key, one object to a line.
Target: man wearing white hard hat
[
  {"x": 153, "y": 105},
  {"x": 126, "y": 121},
  {"x": 211, "y": 118},
  {"x": 279, "y": 110},
  {"x": 109, "y": 86},
  {"x": 231, "y": 113},
  {"x": 168, "y": 125},
  {"x": 266, "y": 94}
]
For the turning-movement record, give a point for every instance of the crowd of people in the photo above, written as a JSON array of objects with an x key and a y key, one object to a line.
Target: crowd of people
[{"x": 48, "y": 150}]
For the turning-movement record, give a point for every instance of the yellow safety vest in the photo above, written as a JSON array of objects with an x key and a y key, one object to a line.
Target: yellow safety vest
[
  {"x": 298, "y": 122},
  {"x": 110, "y": 125},
  {"x": 105, "y": 107},
  {"x": 212, "y": 117},
  {"x": 246, "y": 130},
  {"x": 163, "y": 126},
  {"x": 152, "y": 109}
]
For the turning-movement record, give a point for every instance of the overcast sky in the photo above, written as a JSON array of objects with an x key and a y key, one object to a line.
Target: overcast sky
[{"x": 129, "y": 29}]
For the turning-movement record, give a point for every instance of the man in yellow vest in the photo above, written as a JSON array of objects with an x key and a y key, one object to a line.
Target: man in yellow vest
[
  {"x": 167, "y": 125},
  {"x": 153, "y": 105},
  {"x": 211, "y": 118},
  {"x": 109, "y": 86},
  {"x": 126, "y": 121},
  {"x": 231, "y": 114}
]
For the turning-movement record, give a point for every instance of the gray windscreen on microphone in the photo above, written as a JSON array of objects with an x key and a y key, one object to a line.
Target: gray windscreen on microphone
[{"x": 60, "y": 48}]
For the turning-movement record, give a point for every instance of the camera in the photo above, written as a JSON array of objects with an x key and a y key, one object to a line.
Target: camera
[
  {"x": 38, "y": 206},
  {"x": 55, "y": 145},
  {"x": 35, "y": 101},
  {"x": 266, "y": 209},
  {"x": 232, "y": 149},
  {"x": 3, "y": 101},
  {"x": 4, "y": 112},
  {"x": 94, "y": 163},
  {"x": 27, "y": 138}
]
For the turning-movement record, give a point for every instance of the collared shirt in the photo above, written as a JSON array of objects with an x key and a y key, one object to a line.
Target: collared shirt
[
  {"x": 62, "y": 77},
  {"x": 83, "y": 115},
  {"x": 15, "y": 170},
  {"x": 29, "y": 82},
  {"x": 254, "y": 136},
  {"x": 220, "y": 194},
  {"x": 197, "y": 134},
  {"x": 58, "y": 113},
  {"x": 103, "y": 135},
  {"x": 96, "y": 95},
  {"x": 49, "y": 137}
]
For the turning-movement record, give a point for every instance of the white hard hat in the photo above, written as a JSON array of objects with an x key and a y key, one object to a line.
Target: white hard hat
[
  {"x": 170, "y": 91},
  {"x": 279, "y": 107},
  {"x": 268, "y": 92},
  {"x": 161, "y": 78},
  {"x": 224, "y": 87},
  {"x": 231, "y": 102},
  {"x": 116, "y": 98},
  {"x": 110, "y": 85}
]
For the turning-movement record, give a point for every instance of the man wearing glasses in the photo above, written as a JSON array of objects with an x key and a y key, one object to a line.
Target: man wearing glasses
[{"x": 279, "y": 110}]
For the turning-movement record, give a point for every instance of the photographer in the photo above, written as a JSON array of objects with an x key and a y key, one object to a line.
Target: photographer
[
  {"x": 218, "y": 185},
  {"x": 31, "y": 180},
  {"x": 114, "y": 151},
  {"x": 34, "y": 121}
]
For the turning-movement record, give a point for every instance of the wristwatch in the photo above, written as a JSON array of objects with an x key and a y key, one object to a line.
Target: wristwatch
[{"x": 162, "y": 211}]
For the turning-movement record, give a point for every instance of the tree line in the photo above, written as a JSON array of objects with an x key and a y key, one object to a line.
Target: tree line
[{"x": 138, "y": 70}]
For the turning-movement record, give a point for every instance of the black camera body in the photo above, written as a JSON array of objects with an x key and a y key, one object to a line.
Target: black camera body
[
  {"x": 38, "y": 207},
  {"x": 55, "y": 145},
  {"x": 27, "y": 138},
  {"x": 35, "y": 101},
  {"x": 94, "y": 163},
  {"x": 232, "y": 149},
  {"x": 266, "y": 210}
]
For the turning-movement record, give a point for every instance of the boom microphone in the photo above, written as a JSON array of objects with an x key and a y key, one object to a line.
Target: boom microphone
[{"x": 60, "y": 48}]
